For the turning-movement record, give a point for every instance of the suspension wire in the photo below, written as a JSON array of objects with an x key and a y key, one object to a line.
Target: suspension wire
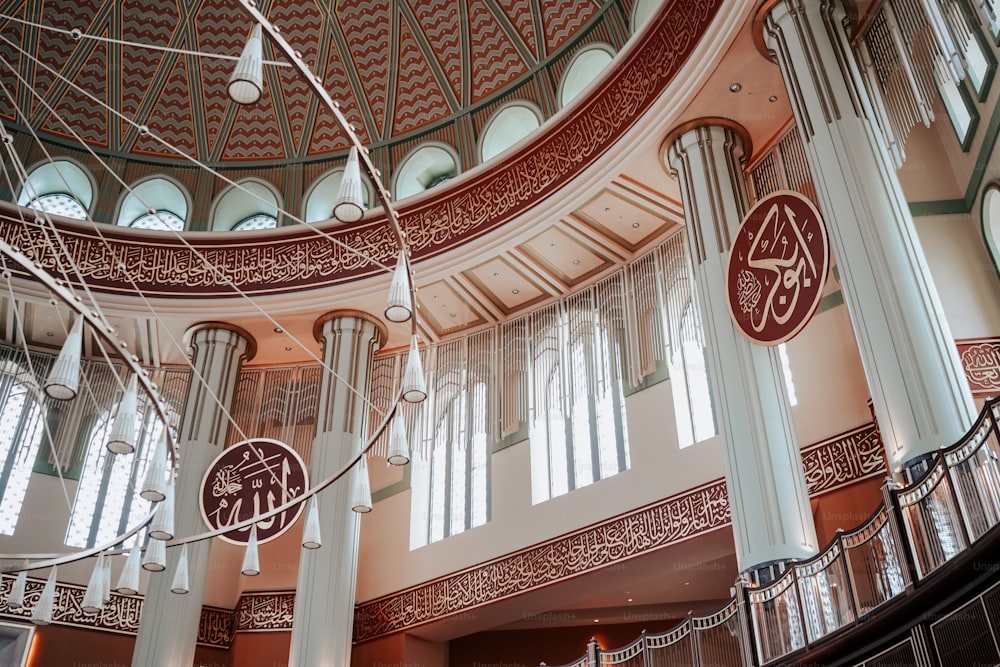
[
  {"x": 77, "y": 35},
  {"x": 96, "y": 227}
]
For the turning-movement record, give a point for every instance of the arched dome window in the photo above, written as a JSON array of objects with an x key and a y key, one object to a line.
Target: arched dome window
[
  {"x": 641, "y": 12},
  {"x": 424, "y": 168},
  {"x": 586, "y": 66},
  {"x": 322, "y": 194},
  {"x": 252, "y": 205},
  {"x": 157, "y": 203},
  {"x": 508, "y": 126},
  {"x": 60, "y": 187}
]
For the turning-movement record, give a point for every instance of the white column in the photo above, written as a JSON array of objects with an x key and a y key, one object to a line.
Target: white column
[
  {"x": 772, "y": 521},
  {"x": 168, "y": 630},
  {"x": 921, "y": 398},
  {"x": 323, "y": 623}
]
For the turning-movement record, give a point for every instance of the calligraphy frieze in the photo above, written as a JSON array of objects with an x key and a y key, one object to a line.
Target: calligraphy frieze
[
  {"x": 265, "y": 612},
  {"x": 981, "y": 361},
  {"x": 120, "y": 614},
  {"x": 830, "y": 464},
  {"x": 844, "y": 459},
  {"x": 216, "y": 627},
  {"x": 113, "y": 260}
]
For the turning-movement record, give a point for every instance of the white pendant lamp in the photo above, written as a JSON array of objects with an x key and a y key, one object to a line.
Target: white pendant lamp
[
  {"x": 251, "y": 559},
  {"x": 414, "y": 389},
  {"x": 122, "y": 438},
  {"x": 106, "y": 580},
  {"x": 93, "y": 599},
  {"x": 399, "y": 447},
  {"x": 350, "y": 204},
  {"x": 311, "y": 538},
  {"x": 247, "y": 81},
  {"x": 154, "y": 487},
  {"x": 155, "y": 559},
  {"x": 42, "y": 614},
  {"x": 399, "y": 306},
  {"x": 15, "y": 599},
  {"x": 128, "y": 580},
  {"x": 362, "y": 501},
  {"x": 180, "y": 584},
  {"x": 63, "y": 381},
  {"x": 162, "y": 525}
]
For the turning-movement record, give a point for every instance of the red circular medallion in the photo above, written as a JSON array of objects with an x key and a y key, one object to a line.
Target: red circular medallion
[
  {"x": 251, "y": 478},
  {"x": 777, "y": 268}
]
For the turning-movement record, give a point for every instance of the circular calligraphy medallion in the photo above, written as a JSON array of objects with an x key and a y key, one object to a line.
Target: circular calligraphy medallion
[
  {"x": 777, "y": 268},
  {"x": 251, "y": 478}
]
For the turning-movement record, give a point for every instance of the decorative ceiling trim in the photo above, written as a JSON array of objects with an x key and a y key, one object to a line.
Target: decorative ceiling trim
[{"x": 470, "y": 208}]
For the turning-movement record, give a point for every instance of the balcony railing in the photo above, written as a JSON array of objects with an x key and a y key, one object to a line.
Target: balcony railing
[{"x": 914, "y": 532}]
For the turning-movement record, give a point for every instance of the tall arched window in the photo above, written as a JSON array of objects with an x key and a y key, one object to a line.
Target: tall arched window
[
  {"x": 21, "y": 429},
  {"x": 107, "y": 500},
  {"x": 577, "y": 425},
  {"x": 425, "y": 167},
  {"x": 450, "y": 477},
  {"x": 60, "y": 187},
  {"x": 586, "y": 66},
  {"x": 252, "y": 205},
  {"x": 508, "y": 126},
  {"x": 156, "y": 203},
  {"x": 322, "y": 195}
]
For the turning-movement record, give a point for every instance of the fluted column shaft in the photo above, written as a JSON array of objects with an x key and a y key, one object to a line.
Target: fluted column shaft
[
  {"x": 772, "y": 521},
  {"x": 324, "y": 599},
  {"x": 920, "y": 395},
  {"x": 169, "y": 627}
]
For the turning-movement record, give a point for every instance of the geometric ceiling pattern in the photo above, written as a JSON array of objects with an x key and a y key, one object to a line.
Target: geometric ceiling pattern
[{"x": 399, "y": 69}]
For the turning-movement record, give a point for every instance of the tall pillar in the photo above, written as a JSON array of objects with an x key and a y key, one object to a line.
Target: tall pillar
[
  {"x": 772, "y": 520},
  {"x": 324, "y": 596},
  {"x": 169, "y": 626},
  {"x": 921, "y": 398}
]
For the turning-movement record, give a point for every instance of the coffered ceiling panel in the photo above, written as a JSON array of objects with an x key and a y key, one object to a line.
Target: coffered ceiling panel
[
  {"x": 566, "y": 258},
  {"x": 505, "y": 285},
  {"x": 629, "y": 219},
  {"x": 446, "y": 309}
]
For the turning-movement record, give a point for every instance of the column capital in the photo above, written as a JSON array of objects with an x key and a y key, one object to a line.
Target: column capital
[
  {"x": 674, "y": 136},
  {"x": 382, "y": 333},
  {"x": 205, "y": 328}
]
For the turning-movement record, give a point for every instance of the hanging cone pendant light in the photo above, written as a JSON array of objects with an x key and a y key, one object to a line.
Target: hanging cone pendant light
[
  {"x": 64, "y": 379},
  {"x": 156, "y": 556},
  {"x": 350, "y": 204},
  {"x": 162, "y": 525},
  {"x": 106, "y": 580},
  {"x": 154, "y": 487},
  {"x": 399, "y": 447},
  {"x": 414, "y": 389},
  {"x": 42, "y": 614},
  {"x": 15, "y": 599},
  {"x": 362, "y": 502},
  {"x": 180, "y": 582},
  {"x": 251, "y": 560},
  {"x": 311, "y": 538},
  {"x": 93, "y": 599},
  {"x": 128, "y": 580},
  {"x": 122, "y": 438},
  {"x": 247, "y": 81},
  {"x": 399, "y": 307}
]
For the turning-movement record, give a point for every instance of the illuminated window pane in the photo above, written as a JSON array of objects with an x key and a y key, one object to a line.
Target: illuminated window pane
[
  {"x": 161, "y": 220},
  {"x": 21, "y": 429},
  {"x": 59, "y": 204},
  {"x": 257, "y": 221}
]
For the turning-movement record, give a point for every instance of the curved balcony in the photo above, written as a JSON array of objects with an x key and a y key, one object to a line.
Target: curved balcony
[{"x": 916, "y": 584}]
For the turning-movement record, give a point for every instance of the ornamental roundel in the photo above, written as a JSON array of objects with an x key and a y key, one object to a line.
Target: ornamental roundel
[
  {"x": 251, "y": 478},
  {"x": 777, "y": 268}
]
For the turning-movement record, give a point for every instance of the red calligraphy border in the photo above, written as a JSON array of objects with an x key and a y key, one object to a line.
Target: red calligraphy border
[
  {"x": 854, "y": 451},
  {"x": 268, "y": 263}
]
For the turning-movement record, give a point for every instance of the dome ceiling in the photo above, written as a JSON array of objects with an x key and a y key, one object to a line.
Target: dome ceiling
[{"x": 400, "y": 70}]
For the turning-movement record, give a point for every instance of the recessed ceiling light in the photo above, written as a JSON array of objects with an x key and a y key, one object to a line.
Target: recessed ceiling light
[
  {"x": 576, "y": 261},
  {"x": 496, "y": 275},
  {"x": 629, "y": 600},
  {"x": 635, "y": 225},
  {"x": 515, "y": 291},
  {"x": 454, "y": 314},
  {"x": 278, "y": 330},
  {"x": 288, "y": 349},
  {"x": 772, "y": 98},
  {"x": 597, "y": 620},
  {"x": 735, "y": 87}
]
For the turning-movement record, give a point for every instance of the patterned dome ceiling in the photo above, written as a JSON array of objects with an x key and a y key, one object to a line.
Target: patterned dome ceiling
[{"x": 404, "y": 71}]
